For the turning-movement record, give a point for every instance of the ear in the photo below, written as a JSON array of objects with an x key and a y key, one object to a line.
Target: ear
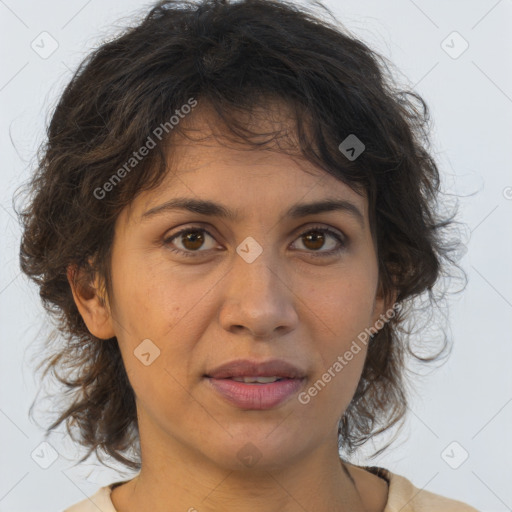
[
  {"x": 383, "y": 304},
  {"x": 91, "y": 302}
]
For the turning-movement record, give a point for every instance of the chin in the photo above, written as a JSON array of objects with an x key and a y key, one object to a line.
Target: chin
[{"x": 265, "y": 450}]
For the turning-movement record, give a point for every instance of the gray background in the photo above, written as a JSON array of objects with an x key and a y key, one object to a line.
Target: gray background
[{"x": 467, "y": 401}]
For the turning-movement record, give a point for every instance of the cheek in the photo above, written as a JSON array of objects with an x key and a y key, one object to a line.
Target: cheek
[
  {"x": 171, "y": 312},
  {"x": 152, "y": 299},
  {"x": 344, "y": 304},
  {"x": 343, "y": 309}
]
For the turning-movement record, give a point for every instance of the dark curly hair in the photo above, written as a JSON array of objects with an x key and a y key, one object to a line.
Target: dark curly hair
[{"x": 231, "y": 57}]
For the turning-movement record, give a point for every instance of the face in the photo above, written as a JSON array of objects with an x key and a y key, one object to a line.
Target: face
[{"x": 204, "y": 289}]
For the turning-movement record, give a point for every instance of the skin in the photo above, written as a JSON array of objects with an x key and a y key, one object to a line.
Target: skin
[{"x": 206, "y": 310}]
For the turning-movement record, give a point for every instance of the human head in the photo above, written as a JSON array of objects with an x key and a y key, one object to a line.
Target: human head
[{"x": 232, "y": 58}]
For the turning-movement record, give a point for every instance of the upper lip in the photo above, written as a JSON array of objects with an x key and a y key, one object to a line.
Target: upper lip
[{"x": 250, "y": 368}]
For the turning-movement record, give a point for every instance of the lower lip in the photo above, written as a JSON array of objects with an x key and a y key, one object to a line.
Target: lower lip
[{"x": 253, "y": 395}]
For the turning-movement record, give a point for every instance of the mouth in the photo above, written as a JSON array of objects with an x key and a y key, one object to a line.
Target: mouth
[{"x": 257, "y": 386}]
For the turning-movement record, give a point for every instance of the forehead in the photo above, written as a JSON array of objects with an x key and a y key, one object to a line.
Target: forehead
[{"x": 205, "y": 164}]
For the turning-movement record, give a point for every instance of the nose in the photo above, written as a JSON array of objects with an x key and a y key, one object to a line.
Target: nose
[{"x": 258, "y": 299}]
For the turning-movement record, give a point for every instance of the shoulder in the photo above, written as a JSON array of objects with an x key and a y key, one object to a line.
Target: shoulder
[
  {"x": 405, "y": 497},
  {"x": 98, "y": 501}
]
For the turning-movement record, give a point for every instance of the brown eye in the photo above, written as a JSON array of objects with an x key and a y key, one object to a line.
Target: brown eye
[
  {"x": 315, "y": 239},
  {"x": 191, "y": 240}
]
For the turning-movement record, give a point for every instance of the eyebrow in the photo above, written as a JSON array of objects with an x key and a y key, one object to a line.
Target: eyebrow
[{"x": 210, "y": 208}]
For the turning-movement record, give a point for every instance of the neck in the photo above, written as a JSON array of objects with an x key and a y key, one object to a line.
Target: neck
[{"x": 317, "y": 482}]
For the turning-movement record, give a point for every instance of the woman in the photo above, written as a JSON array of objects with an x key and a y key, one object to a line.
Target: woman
[{"x": 234, "y": 212}]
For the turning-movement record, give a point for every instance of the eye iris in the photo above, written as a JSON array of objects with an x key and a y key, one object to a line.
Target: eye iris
[
  {"x": 317, "y": 237},
  {"x": 195, "y": 237}
]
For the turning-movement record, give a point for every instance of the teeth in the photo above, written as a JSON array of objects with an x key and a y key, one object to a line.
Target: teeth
[{"x": 261, "y": 380}]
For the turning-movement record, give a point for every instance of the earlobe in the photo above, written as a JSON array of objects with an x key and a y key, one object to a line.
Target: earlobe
[{"x": 91, "y": 304}]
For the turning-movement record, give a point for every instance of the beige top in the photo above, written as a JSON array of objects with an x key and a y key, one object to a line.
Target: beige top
[{"x": 403, "y": 496}]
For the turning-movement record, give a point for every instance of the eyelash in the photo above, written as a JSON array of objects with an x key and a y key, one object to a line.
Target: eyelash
[{"x": 324, "y": 230}]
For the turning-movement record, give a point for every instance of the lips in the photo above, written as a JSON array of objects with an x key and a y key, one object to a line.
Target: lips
[{"x": 251, "y": 385}]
